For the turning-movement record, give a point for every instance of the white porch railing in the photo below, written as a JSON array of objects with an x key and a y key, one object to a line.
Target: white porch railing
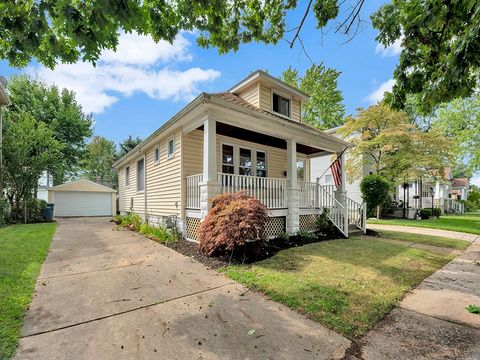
[
  {"x": 336, "y": 211},
  {"x": 456, "y": 206},
  {"x": 308, "y": 194},
  {"x": 269, "y": 191},
  {"x": 193, "y": 191},
  {"x": 357, "y": 214}
]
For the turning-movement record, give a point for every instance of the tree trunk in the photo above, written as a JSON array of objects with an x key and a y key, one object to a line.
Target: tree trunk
[{"x": 378, "y": 211}]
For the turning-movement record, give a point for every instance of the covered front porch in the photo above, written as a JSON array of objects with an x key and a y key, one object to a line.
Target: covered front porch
[{"x": 271, "y": 164}]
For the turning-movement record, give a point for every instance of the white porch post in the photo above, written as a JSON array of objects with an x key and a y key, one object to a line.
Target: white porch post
[
  {"x": 340, "y": 193},
  {"x": 209, "y": 187},
  {"x": 293, "y": 195}
]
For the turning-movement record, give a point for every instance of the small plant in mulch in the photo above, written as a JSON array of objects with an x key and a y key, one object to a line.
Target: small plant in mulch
[{"x": 473, "y": 309}]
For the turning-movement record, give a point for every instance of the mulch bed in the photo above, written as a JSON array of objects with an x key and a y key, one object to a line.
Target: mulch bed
[{"x": 273, "y": 246}]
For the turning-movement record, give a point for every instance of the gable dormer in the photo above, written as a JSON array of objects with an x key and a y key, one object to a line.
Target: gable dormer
[{"x": 271, "y": 94}]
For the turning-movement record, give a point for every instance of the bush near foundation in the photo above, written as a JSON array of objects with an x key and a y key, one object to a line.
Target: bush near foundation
[{"x": 235, "y": 225}]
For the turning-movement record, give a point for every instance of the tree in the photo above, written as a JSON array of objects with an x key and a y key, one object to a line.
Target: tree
[
  {"x": 100, "y": 156},
  {"x": 375, "y": 192},
  {"x": 460, "y": 121},
  {"x": 440, "y": 58},
  {"x": 60, "y": 112},
  {"x": 386, "y": 141},
  {"x": 67, "y": 30},
  {"x": 29, "y": 148},
  {"x": 128, "y": 144},
  {"x": 324, "y": 109}
]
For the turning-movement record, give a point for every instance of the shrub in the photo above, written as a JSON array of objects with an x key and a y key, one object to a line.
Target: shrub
[
  {"x": 235, "y": 222},
  {"x": 132, "y": 221},
  {"x": 425, "y": 213},
  {"x": 4, "y": 212},
  {"x": 118, "y": 219},
  {"x": 437, "y": 212},
  {"x": 306, "y": 236},
  {"x": 375, "y": 192},
  {"x": 323, "y": 224}
]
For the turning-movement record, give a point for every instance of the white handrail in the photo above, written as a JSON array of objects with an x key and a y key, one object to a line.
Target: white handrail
[
  {"x": 356, "y": 214},
  {"x": 269, "y": 191},
  {"x": 336, "y": 211},
  {"x": 193, "y": 191}
]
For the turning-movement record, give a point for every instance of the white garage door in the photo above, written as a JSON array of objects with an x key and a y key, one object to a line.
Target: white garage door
[{"x": 82, "y": 203}]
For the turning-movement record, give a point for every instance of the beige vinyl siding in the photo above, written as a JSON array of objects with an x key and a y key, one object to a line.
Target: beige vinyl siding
[
  {"x": 193, "y": 155},
  {"x": 296, "y": 110},
  {"x": 251, "y": 95},
  {"x": 164, "y": 179},
  {"x": 266, "y": 103},
  {"x": 130, "y": 192}
]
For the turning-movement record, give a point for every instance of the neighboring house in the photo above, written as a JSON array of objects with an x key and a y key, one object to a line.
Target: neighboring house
[
  {"x": 44, "y": 183},
  {"x": 460, "y": 188},
  {"x": 249, "y": 138},
  {"x": 415, "y": 195}
]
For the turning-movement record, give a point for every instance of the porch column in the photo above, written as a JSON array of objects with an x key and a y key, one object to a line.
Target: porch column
[
  {"x": 209, "y": 187},
  {"x": 293, "y": 192}
]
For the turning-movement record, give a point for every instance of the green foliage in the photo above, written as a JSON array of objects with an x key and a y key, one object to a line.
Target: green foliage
[
  {"x": 323, "y": 223},
  {"x": 473, "y": 309},
  {"x": 437, "y": 212},
  {"x": 29, "y": 148},
  {"x": 66, "y": 31},
  {"x": 132, "y": 220},
  {"x": 425, "y": 213},
  {"x": 128, "y": 144},
  {"x": 389, "y": 141},
  {"x": 306, "y": 236},
  {"x": 4, "y": 212},
  {"x": 60, "y": 112},
  {"x": 440, "y": 55},
  {"x": 283, "y": 237},
  {"x": 118, "y": 219},
  {"x": 235, "y": 223},
  {"x": 325, "y": 107},
  {"x": 375, "y": 191},
  {"x": 100, "y": 155},
  {"x": 459, "y": 120}
]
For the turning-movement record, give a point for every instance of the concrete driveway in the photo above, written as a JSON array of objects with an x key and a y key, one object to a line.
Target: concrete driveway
[{"x": 105, "y": 293}]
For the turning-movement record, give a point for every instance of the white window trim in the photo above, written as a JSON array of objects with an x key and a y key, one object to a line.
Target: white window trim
[
  {"x": 172, "y": 155},
  {"x": 236, "y": 157},
  {"x": 127, "y": 178},
  {"x": 144, "y": 172},
  {"x": 279, "y": 93},
  {"x": 156, "y": 162}
]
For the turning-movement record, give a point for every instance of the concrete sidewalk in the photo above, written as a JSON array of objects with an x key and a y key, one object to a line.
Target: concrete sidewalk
[
  {"x": 106, "y": 294},
  {"x": 431, "y": 322}
]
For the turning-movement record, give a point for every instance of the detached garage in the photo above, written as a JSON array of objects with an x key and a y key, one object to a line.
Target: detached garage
[{"x": 82, "y": 198}]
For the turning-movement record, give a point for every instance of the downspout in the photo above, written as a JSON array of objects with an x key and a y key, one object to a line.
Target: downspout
[{"x": 145, "y": 212}]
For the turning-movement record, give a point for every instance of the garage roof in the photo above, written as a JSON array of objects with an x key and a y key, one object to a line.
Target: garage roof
[{"x": 82, "y": 185}]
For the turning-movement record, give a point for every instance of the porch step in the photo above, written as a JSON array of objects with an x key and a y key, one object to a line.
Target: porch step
[{"x": 353, "y": 230}]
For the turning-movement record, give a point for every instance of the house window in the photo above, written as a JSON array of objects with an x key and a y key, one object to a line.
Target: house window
[
  {"x": 141, "y": 175},
  {"x": 245, "y": 166},
  {"x": 301, "y": 170},
  {"x": 328, "y": 179},
  {"x": 171, "y": 147},
  {"x": 127, "y": 176},
  {"x": 281, "y": 105},
  {"x": 261, "y": 164},
  {"x": 228, "y": 166},
  {"x": 156, "y": 155}
]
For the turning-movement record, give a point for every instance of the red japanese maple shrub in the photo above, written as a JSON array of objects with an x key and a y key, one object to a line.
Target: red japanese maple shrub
[{"x": 235, "y": 224}]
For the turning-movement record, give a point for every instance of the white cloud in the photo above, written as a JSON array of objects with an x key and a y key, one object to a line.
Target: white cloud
[
  {"x": 139, "y": 65},
  {"x": 377, "y": 95},
  {"x": 391, "y": 50}
]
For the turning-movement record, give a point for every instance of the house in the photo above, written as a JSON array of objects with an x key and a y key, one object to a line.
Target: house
[
  {"x": 248, "y": 138},
  {"x": 409, "y": 197},
  {"x": 460, "y": 188}
]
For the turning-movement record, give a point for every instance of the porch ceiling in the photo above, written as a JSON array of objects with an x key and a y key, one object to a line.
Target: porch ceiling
[{"x": 263, "y": 139}]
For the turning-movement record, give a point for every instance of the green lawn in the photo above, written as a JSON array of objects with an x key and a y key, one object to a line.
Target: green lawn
[
  {"x": 347, "y": 285},
  {"x": 23, "y": 249},
  {"x": 425, "y": 239},
  {"x": 469, "y": 222}
]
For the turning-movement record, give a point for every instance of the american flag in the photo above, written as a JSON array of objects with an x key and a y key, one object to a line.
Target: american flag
[{"x": 337, "y": 172}]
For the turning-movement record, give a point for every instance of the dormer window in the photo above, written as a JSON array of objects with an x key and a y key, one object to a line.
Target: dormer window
[{"x": 281, "y": 105}]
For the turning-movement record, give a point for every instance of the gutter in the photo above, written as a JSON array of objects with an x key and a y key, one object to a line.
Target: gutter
[{"x": 189, "y": 107}]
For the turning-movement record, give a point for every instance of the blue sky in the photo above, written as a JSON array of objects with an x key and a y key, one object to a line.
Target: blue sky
[{"x": 137, "y": 89}]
